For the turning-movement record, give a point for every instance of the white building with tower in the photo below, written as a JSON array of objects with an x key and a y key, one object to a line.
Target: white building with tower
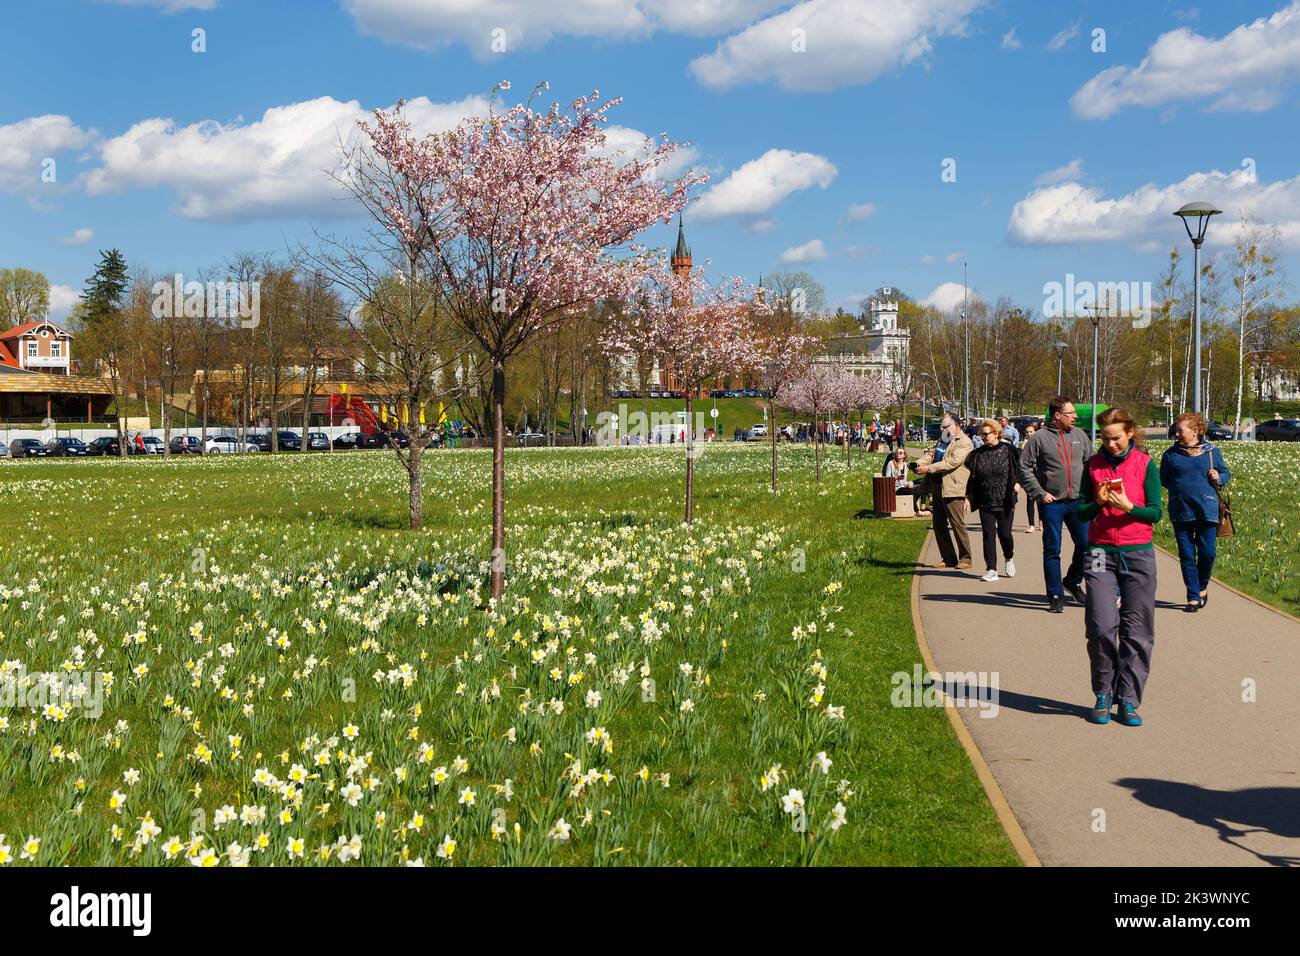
[{"x": 879, "y": 347}]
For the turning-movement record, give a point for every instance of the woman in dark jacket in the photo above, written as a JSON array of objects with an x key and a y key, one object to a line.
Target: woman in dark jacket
[
  {"x": 1192, "y": 469},
  {"x": 991, "y": 490}
]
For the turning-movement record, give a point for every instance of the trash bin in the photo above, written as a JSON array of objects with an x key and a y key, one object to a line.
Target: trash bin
[
  {"x": 884, "y": 500},
  {"x": 875, "y": 445}
]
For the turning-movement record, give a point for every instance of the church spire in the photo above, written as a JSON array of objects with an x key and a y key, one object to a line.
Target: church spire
[{"x": 681, "y": 260}]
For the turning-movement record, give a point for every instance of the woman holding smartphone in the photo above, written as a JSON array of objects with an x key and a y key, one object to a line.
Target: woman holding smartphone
[
  {"x": 1121, "y": 501},
  {"x": 1193, "y": 470}
]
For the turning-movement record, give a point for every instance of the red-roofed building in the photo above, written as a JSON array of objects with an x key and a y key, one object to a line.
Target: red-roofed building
[{"x": 39, "y": 346}]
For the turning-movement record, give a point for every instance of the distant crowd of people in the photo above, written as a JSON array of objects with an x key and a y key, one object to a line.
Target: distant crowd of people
[{"x": 1107, "y": 498}]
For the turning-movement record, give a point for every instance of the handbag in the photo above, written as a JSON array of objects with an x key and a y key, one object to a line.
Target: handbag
[{"x": 1226, "y": 527}]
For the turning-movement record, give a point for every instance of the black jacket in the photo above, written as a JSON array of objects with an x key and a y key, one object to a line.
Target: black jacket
[{"x": 981, "y": 463}]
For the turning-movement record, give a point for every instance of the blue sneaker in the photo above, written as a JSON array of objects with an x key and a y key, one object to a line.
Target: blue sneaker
[
  {"x": 1128, "y": 714},
  {"x": 1100, "y": 713}
]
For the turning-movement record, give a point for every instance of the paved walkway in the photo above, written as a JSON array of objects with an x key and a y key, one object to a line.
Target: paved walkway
[{"x": 1209, "y": 780}]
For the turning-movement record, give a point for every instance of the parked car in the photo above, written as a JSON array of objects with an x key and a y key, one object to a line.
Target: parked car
[
  {"x": 28, "y": 448},
  {"x": 932, "y": 431},
  {"x": 4, "y": 450},
  {"x": 398, "y": 439},
  {"x": 1278, "y": 429},
  {"x": 527, "y": 438},
  {"x": 285, "y": 439},
  {"x": 317, "y": 441},
  {"x": 349, "y": 441},
  {"x": 104, "y": 445},
  {"x": 1217, "y": 432},
  {"x": 227, "y": 444},
  {"x": 66, "y": 448},
  {"x": 185, "y": 445},
  {"x": 758, "y": 431},
  {"x": 152, "y": 445}
]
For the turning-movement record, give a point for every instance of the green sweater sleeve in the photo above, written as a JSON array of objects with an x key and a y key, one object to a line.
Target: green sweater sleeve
[
  {"x": 1088, "y": 507},
  {"x": 1150, "y": 512}
]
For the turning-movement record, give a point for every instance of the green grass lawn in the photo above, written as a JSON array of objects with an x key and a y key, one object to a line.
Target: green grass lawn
[
  {"x": 282, "y": 646},
  {"x": 1263, "y": 558}
]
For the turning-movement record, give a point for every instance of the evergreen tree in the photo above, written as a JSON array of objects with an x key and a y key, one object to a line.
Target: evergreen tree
[{"x": 105, "y": 290}]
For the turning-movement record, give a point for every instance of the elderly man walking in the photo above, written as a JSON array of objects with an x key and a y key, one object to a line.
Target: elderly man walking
[
  {"x": 944, "y": 466},
  {"x": 1051, "y": 472}
]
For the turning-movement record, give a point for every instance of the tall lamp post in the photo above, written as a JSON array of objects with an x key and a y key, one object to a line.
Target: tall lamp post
[
  {"x": 1201, "y": 212},
  {"x": 965, "y": 358},
  {"x": 1097, "y": 315},
  {"x": 988, "y": 364},
  {"x": 925, "y": 376},
  {"x": 1060, "y": 348}
]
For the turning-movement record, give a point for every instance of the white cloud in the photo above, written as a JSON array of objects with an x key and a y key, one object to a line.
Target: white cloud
[
  {"x": 947, "y": 297},
  {"x": 1073, "y": 170},
  {"x": 79, "y": 237},
  {"x": 1059, "y": 41},
  {"x": 523, "y": 24},
  {"x": 634, "y": 144},
  {"x": 757, "y": 186},
  {"x": 761, "y": 226},
  {"x": 844, "y": 42},
  {"x": 954, "y": 257},
  {"x": 860, "y": 211},
  {"x": 1240, "y": 71},
  {"x": 269, "y": 168},
  {"x": 169, "y": 6},
  {"x": 812, "y": 251},
  {"x": 1010, "y": 41},
  {"x": 63, "y": 299},
  {"x": 704, "y": 17},
  {"x": 927, "y": 260},
  {"x": 25, "y": 145},
  {"x": 1070, "y": 212}
]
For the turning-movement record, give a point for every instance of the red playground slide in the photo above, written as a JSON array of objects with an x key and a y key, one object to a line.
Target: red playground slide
[{"x": 344, "y": 407}]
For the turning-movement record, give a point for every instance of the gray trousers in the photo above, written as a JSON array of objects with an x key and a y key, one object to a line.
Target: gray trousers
[{"x": 1120, "y": 639}]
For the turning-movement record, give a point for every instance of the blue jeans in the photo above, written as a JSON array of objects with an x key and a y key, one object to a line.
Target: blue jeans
[
  {"x": 1053, "y": 515},
  {"x": 1196, "y": 553}
]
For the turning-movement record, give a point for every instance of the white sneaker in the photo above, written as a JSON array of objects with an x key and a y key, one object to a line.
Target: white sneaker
[
  {"x": 1030, "y": 530},
  {"x": 990, "y": 575},
  {"x": 1011, "y": 568}
]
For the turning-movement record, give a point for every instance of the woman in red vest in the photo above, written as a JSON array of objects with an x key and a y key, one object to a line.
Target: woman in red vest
[{"x": 1121, "y": 501}]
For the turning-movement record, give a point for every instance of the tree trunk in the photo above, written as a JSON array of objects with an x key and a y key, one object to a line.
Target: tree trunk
[
  {"x": 1241, "y": 355},
  {"x": 416, "y": 497},
  {"x": 771, "y": 424},
  {"x": 690, "y": 457},
  {"x": 817, "y": 448},
  {"x": 498, "y": 479},
  {"x": 207, "y": 398}
]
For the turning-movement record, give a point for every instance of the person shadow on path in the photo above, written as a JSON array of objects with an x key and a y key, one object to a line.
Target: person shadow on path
[
  {"x": 1273, "y": 810},
  {"x": 1029, "y": 704}
]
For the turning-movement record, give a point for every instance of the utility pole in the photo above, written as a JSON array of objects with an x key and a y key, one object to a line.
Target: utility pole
[
  {"x": 965, "y": 360},
  {"x": 1098, "y": 313}
]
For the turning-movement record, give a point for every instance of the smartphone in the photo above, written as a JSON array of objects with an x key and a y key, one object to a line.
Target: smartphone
[{"x": 1116, "y": 484}]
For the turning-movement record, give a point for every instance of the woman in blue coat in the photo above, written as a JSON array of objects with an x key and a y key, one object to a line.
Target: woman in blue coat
[{"x": 1192, "y": 470}]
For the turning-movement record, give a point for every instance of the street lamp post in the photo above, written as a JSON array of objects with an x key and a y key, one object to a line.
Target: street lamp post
[
  {"x": 1097, "y": 316},
  {"x": 1201, "y": 212},
  {"x": 1060, "y": 348},
  {"x": 965, "y": 358},
  {"x": 988, "y": 364}
]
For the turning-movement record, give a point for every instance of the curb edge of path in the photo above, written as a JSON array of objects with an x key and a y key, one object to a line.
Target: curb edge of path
[
  {"x": 1241, "y": 594},
  {"x": 1006, "y": 816}
]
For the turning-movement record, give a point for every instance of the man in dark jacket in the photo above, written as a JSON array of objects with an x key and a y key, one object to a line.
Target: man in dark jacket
[{"x": 1051, "y": 472}]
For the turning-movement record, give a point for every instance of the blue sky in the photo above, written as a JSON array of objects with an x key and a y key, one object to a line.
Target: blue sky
[{"x": 1067, "y": 160}]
